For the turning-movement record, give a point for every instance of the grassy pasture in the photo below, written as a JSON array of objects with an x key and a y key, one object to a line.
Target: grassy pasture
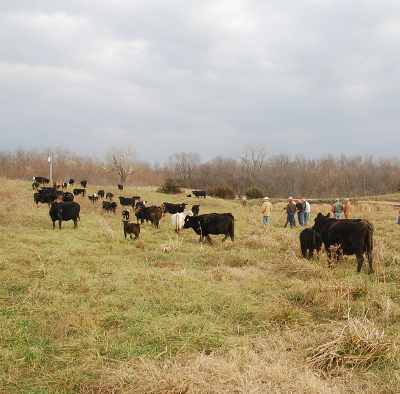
[{"x": 87, "y": 311}]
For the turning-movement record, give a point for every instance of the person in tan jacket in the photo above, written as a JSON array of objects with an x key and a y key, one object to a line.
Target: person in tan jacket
[
  {"x": 266, "y": 209},
  {"x": 347, "y": 208}
]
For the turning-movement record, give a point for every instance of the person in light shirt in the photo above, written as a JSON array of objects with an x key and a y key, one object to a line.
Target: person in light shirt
[{"x": 266, "y": 209}]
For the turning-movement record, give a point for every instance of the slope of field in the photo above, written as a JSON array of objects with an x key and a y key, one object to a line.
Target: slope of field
[{"x": 87, "y": 311}]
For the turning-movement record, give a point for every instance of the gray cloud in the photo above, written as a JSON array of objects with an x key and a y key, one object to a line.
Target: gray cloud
[{"x": 306, "y": 78}]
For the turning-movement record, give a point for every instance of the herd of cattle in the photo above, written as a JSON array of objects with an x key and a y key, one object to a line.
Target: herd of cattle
[{"x": 339, "y": 236}]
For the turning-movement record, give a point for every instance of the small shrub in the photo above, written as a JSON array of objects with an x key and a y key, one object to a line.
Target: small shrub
[
  {"x": 254, "y": 192},
  {"x": 171, "y": 186},
  {"x": 224, "y": 192}
]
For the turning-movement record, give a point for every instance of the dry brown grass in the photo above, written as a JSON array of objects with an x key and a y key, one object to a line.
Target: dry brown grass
[{"x": 359, "y": 344}]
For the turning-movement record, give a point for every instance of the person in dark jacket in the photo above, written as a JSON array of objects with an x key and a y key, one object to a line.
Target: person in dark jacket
[{"x": 290, "y": 212}]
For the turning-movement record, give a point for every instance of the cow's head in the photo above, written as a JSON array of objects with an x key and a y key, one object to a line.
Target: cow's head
[{"x": 320, "y": 220}]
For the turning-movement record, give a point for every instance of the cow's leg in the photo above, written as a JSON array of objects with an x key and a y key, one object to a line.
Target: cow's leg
[
  {"x": 59, "y": 223},
  {"x": 209, "y": 239},
  {"x": 225, "y": 238},
  {"x": 360, "y": 260}
]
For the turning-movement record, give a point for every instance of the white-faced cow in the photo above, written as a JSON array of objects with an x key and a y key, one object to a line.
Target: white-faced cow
[
  {"x": 211, "y": 223},
  {"x": 41, "y": 179},
  {"x": 63, "y": 211},
  {"x": 310, "y": 240},
  {"x": 346, "y": 236}
]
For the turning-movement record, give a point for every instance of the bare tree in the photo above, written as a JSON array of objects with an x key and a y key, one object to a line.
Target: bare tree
[
  {"x": 253, "y": 159},
  {"x": 121, "y": 160},
  {"x": 183, "y": 165}
]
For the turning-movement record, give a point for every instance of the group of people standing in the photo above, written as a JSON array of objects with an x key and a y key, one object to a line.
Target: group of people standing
[
  {"x": 303, "y": 210},
  {"x": 338, "y": 208}
]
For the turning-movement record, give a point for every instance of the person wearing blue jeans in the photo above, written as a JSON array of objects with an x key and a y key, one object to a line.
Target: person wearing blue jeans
[
  {"x": 266, "y": 209},
  {"x": 300, "y": 206},
  {"x": 290, "y": 212},
  {"x": 337, "y": 209}
]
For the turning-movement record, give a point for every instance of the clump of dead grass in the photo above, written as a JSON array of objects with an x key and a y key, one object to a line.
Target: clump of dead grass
[
  {"x": 359, "y": 344},
  {"x": 106, "y": 228},
  {"x": 172, "y": 245}
]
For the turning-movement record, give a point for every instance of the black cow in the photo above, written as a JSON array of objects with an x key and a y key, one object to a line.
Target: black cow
[
  {"x": 199, "y": 193},
  {"x": 141, "y": 213},
  {"x": 173, "y": 208},
  {"x": 120, "y": 187},
  {"x": 109, "y": 196},
  {"x": 44, "y": 198},
  {"x": 109, "y": 206},
  {"x": 41, "y": 179},
  {"x": 211, "y": 223},
  {"x": 35, "y": 185},
  {"x": 84, "y": 184},
  {"x": 93, "y": 198},
  {"x": 47, "y": 190},
  {"x": 100, "y": 193},
  {"x": 195, "y": 209},
  {"x": 125, "y": 201},
  {"x": 68, "y": 197},
  {"x": 310, "y": 240},
  {"x": 63, "y": 211},
  {"x": 346, "y": 236},
  {"x": 71, "y": 182},
  {"x": 77, "y": 192},
  {"x": 131, "y": 228},
  {"x": 64, "y": 185}
]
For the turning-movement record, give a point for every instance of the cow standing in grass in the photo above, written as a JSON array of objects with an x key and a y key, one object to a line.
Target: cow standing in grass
[
  {"x": 62, "y": 211},
  {"x": 310, "y": 240},
  {"x": 211, "y": 223},
  {"x": 346, "y": 236}
]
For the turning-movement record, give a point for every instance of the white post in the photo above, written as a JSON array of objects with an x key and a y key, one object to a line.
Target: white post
[{"x": 51, "y": 169}]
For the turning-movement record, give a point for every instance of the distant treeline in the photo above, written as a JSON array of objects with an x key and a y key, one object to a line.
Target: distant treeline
[{"x": 277, "y": 176}]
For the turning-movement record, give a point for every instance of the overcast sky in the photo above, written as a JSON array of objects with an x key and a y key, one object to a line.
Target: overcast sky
[{"x": 300, "y": 77}]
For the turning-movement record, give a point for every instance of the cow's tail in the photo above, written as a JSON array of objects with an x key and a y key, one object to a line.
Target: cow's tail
[
  {"x": 232, "y": 226},
  {"x": 369, "y": 243}
]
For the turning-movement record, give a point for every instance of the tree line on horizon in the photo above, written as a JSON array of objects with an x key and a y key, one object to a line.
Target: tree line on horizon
[{"x": 276, "y": 176}]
